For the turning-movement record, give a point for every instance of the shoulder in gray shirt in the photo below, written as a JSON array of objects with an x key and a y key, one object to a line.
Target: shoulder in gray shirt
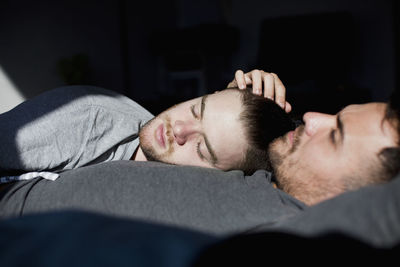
[{"x": 69, "y": 127}]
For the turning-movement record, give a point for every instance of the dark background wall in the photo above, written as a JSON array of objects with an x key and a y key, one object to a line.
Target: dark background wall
[{"x": 328, "y": 53}]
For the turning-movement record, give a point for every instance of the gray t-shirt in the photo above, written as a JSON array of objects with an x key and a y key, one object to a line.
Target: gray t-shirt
[
  {"x": 67, "y": 128},
  {"x": 204, "y": 199}
]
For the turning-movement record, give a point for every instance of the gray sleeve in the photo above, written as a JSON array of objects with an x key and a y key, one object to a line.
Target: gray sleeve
[
  {"x": 199, "y": 198},
  {"x": 67, "y": 128}
]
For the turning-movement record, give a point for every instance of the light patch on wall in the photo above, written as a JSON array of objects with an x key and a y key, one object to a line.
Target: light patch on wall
[{"x": 9, "y": 93}]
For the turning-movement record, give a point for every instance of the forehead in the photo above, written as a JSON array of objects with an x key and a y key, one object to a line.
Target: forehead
[
  {"x": 370, "y": 117},
  {"x": 229, "y": 98},
  {"x": 223, "y": 128}
]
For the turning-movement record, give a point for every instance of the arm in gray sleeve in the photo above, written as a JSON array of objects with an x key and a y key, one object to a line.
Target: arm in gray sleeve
[{"x": 69, "y": 127}]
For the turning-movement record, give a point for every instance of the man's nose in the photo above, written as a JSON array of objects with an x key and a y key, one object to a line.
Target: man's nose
[
  {"x": 183, "y": 131},
  {"x": 315, "y": 122}
]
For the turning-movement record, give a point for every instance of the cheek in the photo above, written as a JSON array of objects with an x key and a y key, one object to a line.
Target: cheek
[
  {"x": 184, "y": 154},
  {"x": 320, "y": 160},
  {"x": 145, "y": 132},
  {"x": 187, "y": 155}
]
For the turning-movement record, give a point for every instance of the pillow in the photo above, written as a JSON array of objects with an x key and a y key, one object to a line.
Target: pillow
[
  {"x": 370, "y": 214},
  {"x": 362, "y": 225}
]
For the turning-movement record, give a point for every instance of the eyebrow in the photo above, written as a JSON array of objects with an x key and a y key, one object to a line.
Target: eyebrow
[
  {"x": 203, "y": 105},
  {"x": 340, "y": 126},
  {"x": 214, "y": 159}
]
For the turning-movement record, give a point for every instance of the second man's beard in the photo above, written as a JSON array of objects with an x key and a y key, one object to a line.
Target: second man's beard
[{"x": 278, "y": 159}]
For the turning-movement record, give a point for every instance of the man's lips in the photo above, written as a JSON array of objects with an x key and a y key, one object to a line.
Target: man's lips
[
  {"x": 290, "y": 137},
  {"x": 160, "y": 137}
]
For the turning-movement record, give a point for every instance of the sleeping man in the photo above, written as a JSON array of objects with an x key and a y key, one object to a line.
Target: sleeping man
[
  {"x": 71, "y": 127},
  {"x": 332, "y": 154}
]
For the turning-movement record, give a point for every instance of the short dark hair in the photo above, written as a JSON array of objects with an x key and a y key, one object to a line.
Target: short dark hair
[
  {"x": 390, "y": 156},
  {"x": 263, "y": 121},
  {"x": 387, "y": 165}
]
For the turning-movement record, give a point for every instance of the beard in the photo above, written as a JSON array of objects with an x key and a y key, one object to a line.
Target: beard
[
  {"x": 281, "y": 162},
  {"x": 146, "y": 137},
  {"x": 294, "y": 177}
]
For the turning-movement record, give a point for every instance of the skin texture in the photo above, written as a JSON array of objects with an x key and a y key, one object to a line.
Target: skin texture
[
  {"x": 319, "y": 160},
  {"x": 204, "y": 132}
]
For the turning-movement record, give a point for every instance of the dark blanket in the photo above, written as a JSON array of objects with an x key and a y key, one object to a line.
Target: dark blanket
[{"x": 86, "y": 239}]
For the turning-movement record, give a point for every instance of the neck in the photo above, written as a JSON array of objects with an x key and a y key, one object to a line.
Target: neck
[{"x": 138, "y": 155}]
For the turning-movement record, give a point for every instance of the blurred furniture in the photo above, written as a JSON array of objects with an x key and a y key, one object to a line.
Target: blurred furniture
[
  {"x": 313, "y": 56},
  {"x": 189, "y": 59}
]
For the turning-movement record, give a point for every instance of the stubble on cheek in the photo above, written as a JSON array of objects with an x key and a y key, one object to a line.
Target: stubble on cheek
[
  {"x": 275, "y": 157},
  {"x": 283, "y": 162},
  {"x": 286, "y": 176}
]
